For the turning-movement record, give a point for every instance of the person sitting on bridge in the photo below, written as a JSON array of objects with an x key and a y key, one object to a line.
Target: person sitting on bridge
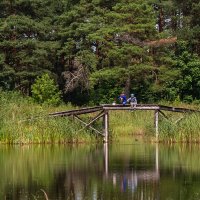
[
  {"x": 132, "y": 100},
  {"x": 123, "y": 99}
]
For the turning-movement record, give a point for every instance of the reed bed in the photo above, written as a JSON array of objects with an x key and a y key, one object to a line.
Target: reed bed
[
  {"x": 183, "y": 129},
  {"x": 179, "y": 127},
  {"x": 131, "y": 123},
  {"x": 24, "y": 122}
]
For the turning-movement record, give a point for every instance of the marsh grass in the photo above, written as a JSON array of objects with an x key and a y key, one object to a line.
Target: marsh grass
[
  {"x": 22, "y": 121},
  {"x": 131, "y": 123},
  {"x": 179, "y": 127},
  {"x": 185, "y": 130}
]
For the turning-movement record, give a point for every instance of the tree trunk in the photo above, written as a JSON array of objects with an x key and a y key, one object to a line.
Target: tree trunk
[
  {"x": 161, "y": 19},
  {"x": 127, "y": 86}
]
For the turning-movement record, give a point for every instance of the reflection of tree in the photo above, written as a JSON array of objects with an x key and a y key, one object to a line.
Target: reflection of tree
[
  {"x": 79, "y": 173},
  {"x": 27, "y": 169}
]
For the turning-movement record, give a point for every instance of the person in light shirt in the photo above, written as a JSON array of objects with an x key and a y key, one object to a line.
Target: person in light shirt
[{"x": 132, "y": 100}]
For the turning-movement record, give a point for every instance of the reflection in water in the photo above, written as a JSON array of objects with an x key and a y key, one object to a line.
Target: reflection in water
[
  {"x": 133, "y": 180},
  {"x": 128, "y": 181},
  {"x": 106, "y": 158},
  {"x": 136, "y": 171}
]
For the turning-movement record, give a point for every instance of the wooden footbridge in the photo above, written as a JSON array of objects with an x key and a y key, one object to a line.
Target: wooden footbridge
[{"x": 103, "y": 112}]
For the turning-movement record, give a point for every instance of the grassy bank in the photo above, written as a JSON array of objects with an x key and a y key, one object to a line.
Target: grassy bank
[
  {"x": 23, "y": 121},
  {"x": 179, "y": 127}
]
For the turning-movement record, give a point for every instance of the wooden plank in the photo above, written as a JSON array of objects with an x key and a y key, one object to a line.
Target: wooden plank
[
  {"x": 127, "y": 105},
  {"x": 174, "y": 109},
  {"x": 164, "y": 115},
  {"x": 95, "y": 118},
  {"x": 92, "y": 128},
  {"x": 147, "y": 107},
  {"x": 76, "y": 112},
  {"x": 130, "y": 108}
]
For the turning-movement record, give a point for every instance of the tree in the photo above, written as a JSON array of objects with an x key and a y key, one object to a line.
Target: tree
[
  {"x": 189, "y": 30},
  {"x": 101, "y": 45},
  {"x": 27, "y": 42},
  {"x": 44, "y": 90},
  {"x": 100, "y": 35}
]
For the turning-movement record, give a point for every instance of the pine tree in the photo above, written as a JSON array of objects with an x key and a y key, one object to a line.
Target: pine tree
[
  {"x": 101, "y": 35},
  {"x": 27, "y": 42}
]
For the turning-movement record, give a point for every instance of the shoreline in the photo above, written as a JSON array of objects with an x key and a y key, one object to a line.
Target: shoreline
[{"x": 138, "y": 125}]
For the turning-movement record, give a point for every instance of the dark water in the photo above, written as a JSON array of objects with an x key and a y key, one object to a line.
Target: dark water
[{"x": 122, "y": 171}]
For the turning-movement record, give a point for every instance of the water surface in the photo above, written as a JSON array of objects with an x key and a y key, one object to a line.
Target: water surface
[{"x": 120, "y": 171}]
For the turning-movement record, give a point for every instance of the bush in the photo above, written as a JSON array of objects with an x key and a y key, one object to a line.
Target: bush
[{"x": 44, "y": 90}]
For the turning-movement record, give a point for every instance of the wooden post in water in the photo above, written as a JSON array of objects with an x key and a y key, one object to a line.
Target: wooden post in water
[
  {"x": 105, "y": 120},
  {"x": 156, "y": 122},
  {"x": 105, "y": 159},
  {"x": 157, "y": 159}
]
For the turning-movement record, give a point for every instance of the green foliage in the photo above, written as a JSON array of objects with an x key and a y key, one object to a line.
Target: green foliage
[
  {"x": 45, "y": 91},
  {"x": 24, "y": 122},
  {"x": 84, "y": 43},
  {"x": 27, "y": 42},
  {"x": 97, "y": 36},
  {"x": 107, "y": 85},
  {"x": 185, "y": 75}
]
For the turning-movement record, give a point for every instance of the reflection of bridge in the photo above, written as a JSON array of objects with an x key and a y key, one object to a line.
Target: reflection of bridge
[
  {"x": 123, "y": 182},
  {"x": 103, "y": 112},
  {"x": 130, "y": 180},
  {"x": 132, "y": 177}
]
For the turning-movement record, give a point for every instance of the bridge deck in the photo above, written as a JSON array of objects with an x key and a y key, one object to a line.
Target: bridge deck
[{"x": 108, "y": 107}]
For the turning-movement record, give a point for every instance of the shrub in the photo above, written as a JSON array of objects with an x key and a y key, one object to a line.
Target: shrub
[{"x": 44, "y": 90}]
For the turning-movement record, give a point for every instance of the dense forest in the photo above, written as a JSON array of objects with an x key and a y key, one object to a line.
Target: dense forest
[{"x": 95, "y": 49}]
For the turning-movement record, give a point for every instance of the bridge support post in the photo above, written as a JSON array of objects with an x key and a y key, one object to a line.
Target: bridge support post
[
  {"x": 105, "y": 153},
  {"x": 106, "y": 125},
  {"x": 156, "y": 114}
]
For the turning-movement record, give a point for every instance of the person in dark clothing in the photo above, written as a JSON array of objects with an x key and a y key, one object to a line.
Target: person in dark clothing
[{"x": 123, "y": 99}]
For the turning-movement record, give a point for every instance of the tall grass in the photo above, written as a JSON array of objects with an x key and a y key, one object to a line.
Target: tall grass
[
  {"x": 139, "y": 124},
  {"x": 23, "y": 121},
  {"x": 185, "y": 130},
  {"x": 179, "y": 127}
]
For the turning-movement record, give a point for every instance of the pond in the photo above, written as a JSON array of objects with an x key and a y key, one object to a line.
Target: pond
[{"x": 114, "y": 171}]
